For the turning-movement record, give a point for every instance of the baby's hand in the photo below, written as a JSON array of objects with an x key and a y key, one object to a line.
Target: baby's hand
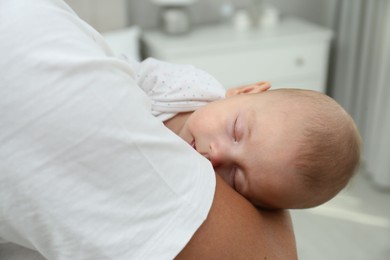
[{"x": 249, "y": 89}]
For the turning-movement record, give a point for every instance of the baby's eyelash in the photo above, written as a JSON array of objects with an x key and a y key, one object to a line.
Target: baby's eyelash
[{"x": 234, "y": 130}]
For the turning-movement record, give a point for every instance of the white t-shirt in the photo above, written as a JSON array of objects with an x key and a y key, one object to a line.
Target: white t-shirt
[
  {"x": 86, "y": 171},
  {"x": 175, "y": 88}
]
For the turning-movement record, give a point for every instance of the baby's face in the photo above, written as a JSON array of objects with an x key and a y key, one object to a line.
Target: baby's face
[{"x": 251, "y": 142}]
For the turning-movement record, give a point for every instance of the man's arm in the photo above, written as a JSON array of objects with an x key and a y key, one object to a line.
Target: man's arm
[{"x": 235, "y": 229}]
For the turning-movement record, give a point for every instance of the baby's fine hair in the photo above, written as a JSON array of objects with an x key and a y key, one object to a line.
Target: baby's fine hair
[{"x": 329, "y": 145}]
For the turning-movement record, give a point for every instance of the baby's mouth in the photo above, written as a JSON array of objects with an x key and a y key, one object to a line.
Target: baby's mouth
[{"x": 193, "y": 144}]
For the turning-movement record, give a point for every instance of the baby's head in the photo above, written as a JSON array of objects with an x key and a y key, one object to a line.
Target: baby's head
[
  {"x": 285, "y": 148},
  {"x": 327, "y": 146}
]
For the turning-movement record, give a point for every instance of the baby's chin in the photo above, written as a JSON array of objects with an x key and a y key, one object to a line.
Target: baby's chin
[
  {"x": 262, "y": 205},
  {"x": 227, "y": 178}
]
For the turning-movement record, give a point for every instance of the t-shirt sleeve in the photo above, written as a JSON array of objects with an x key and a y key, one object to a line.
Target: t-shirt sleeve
[
  {"x": 86, "y": 172},
  {"x": 175, "y": 88}
]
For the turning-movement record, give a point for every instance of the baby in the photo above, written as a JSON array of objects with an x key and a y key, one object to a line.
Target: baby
[{"x": 285, "y": 148}]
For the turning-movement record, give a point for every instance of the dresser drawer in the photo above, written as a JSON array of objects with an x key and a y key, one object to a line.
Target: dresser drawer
[
  {"x": 247, "y": 66},
  {"x": 293, "y": 52}
]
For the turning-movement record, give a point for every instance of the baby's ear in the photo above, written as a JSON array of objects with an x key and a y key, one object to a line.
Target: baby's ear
[{"x": 249, "y": 89}]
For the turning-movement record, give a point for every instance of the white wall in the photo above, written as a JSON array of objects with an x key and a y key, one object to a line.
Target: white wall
[
  {"x": 103, "y": 15},
  {"x": 145, "y": 13},
  {"x": 107, "y": 15},
  {"x": 316, "y": 11}
]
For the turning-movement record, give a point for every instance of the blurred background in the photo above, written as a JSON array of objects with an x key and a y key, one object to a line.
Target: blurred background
[{"x": 339, "y": 47}]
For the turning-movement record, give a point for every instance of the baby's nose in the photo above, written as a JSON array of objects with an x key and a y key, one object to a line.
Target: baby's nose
[{"x": 218, "y": 155}]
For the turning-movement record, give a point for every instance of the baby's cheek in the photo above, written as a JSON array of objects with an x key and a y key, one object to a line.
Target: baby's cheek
[
  {"x": 185, "y": 135},
  {"x": 224, "y": 175},
  {"x": 240, "y": 183}
]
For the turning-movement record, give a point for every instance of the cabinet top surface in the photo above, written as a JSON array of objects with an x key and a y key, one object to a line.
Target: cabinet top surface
[{"x": 217, "y": 36}]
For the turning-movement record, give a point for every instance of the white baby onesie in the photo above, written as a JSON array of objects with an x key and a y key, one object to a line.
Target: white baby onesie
[{"x": 176, "y": 88}]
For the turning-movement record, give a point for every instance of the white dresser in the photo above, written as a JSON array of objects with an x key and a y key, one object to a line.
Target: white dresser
[{"x": 292, "y": 54}]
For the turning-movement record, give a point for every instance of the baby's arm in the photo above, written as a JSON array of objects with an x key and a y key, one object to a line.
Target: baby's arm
[
  {"x": 178, "y": 88},
  {"x": 175, "y": 88}
]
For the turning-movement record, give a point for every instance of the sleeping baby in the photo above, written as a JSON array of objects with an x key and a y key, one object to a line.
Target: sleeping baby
[{"x": 284, "y": 148}]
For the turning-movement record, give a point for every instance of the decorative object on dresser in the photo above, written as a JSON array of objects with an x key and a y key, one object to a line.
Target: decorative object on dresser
[
  {"x": 294, "y": 53},
  {"x": 174, "y": 16}
]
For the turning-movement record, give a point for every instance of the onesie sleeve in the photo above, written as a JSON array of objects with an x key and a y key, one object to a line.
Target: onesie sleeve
[{"x": 175, "y": 88}]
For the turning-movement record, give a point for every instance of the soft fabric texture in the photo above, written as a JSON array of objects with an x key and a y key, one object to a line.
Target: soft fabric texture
[
  {"x": 175, "y": 88},
  {"x": 125, "y": 41},
  {"x": 86, "y": 171}
]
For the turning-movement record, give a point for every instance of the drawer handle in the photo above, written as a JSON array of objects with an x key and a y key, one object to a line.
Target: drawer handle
[{"x": 299, "y": 62}]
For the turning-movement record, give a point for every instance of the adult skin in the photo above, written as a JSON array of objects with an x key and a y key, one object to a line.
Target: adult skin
[{"x": 235, "y": 229}]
